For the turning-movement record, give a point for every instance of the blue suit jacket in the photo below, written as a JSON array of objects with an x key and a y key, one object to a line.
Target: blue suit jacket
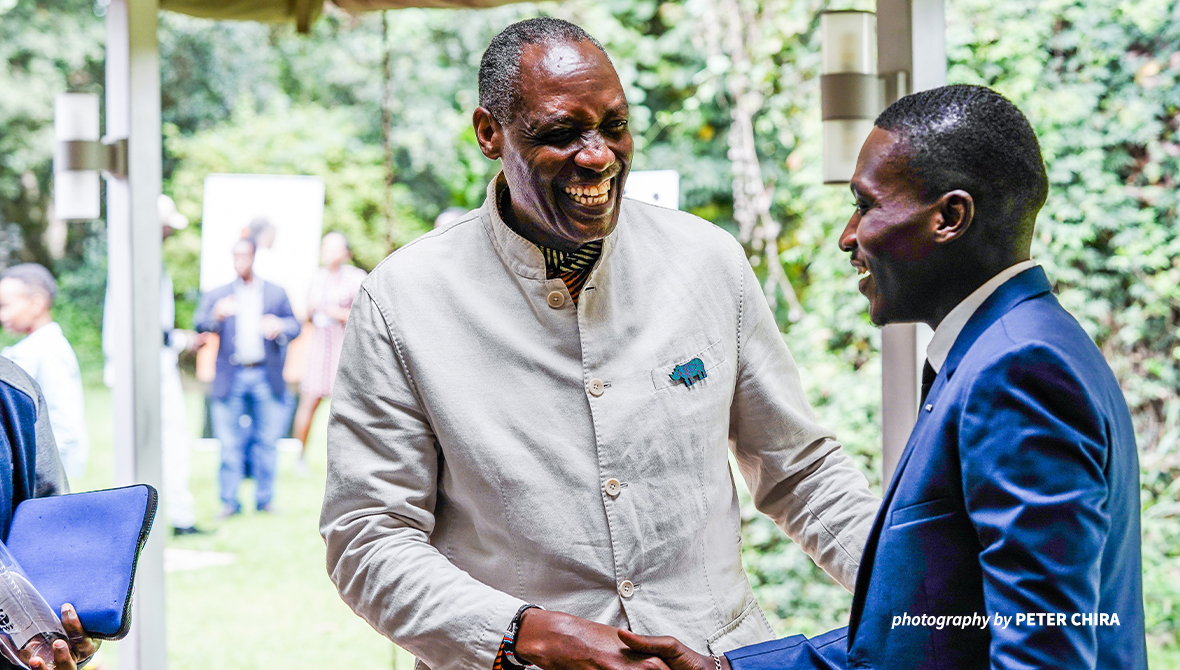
[
  {"x": 274, "y": 301},
  {"x": 1017, "y": 493},
  {"x": 18, "y": 451}
]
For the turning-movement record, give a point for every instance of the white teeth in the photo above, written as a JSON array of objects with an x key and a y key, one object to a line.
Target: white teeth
[
  {"x": 864, "y": 273},
  {"x": 590, "y": 195}
]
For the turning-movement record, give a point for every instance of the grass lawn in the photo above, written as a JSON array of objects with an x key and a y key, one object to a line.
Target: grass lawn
[{"x": 269, "y": 603}]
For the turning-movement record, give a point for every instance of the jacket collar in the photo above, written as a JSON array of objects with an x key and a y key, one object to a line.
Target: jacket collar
[
  {"x": 1028, "y": 284},
  {"x": 520, "y": 255},
  {"x": 952, "y": 324}
]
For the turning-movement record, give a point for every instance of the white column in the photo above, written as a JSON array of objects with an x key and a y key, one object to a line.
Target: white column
[
  {"x": 911, "y": 38},
  {"x": 133, "y": 257}
]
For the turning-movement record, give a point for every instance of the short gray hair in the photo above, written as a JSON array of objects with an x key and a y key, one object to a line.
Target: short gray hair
[{"x": 499, "y": 71}]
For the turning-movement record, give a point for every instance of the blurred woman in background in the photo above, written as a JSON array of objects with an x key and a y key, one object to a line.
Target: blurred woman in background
[{"x": 333, "y": 288}]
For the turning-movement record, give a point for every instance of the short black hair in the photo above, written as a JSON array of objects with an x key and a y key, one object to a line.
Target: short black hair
[
  {"x": 972, "y": 138},
  {"x": 35, "y": 277},
  {"x": 499, "y": 70}
]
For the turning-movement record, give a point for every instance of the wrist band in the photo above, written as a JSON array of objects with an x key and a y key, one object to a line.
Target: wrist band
[
  {"x": 717, "y": 661},
  {"x": 508, "y": 647}
]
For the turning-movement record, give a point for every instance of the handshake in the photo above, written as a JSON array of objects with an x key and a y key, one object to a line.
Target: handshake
[{"x": 558, "y": 641}]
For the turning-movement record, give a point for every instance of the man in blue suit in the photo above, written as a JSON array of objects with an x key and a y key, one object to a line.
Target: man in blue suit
[
  {"x": 254, "y": 320},
  {"x": 1009, "y": 536}
]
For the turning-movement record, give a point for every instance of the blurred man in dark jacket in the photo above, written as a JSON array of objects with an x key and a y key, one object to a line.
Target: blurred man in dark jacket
[{"x": 255, "y": 322}]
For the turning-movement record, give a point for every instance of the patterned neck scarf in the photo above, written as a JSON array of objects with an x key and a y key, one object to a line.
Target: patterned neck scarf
[{"x": 573, "y": 267}]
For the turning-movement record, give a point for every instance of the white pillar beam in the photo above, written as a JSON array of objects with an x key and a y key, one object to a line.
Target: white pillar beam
[
  {"x": 133, "y": 257},
  {"x": 911, "y": 38}
]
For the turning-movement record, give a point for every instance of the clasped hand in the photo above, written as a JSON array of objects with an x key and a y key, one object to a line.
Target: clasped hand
[
  {"x": 65, "y": 656},
  {"x": 558, "y": 641}
]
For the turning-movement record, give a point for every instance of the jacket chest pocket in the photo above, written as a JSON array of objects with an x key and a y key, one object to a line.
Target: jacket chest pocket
[
  {"x": 923, "y": 511},
  {"x": 691, "y": 371}
]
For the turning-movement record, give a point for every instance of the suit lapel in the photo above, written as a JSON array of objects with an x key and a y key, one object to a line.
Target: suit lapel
[{"x": 1024, "y": 286}]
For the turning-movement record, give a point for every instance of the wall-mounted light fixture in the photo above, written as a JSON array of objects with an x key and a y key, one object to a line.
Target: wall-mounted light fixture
[
  {"x": 851, "y": 91},
  {"x": 80, "y": 156}
]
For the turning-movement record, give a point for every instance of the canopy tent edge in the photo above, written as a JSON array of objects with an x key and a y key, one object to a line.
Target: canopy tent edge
[{"x": 305, "y": 12}]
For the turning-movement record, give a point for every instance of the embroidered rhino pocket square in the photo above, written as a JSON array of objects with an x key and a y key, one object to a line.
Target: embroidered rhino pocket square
[
  {"x": 689, "y": 373},
  {"x": 82, "y": 548}
]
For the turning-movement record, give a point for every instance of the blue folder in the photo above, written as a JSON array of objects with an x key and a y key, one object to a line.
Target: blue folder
[{"x": 82, "y": 548}]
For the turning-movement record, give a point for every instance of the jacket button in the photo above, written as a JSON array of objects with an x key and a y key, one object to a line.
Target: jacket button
[
  {"x": 596, "y": 387},
  {"x": 556, "y": 299},
  {"x": 626, "y": 588},
  {"x": 613, "y": 487}
]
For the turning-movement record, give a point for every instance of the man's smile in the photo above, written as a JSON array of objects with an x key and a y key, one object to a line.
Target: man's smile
[
  {"x": 589, "y": 195},
  {"x": 863, "y": 273}
]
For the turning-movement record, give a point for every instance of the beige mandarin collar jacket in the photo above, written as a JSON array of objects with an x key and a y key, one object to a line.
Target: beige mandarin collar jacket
[{"x": 492, "y": 444}]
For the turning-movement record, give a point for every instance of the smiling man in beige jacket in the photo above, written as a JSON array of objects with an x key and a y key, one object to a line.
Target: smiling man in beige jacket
[{"x": 534, "y": 406}]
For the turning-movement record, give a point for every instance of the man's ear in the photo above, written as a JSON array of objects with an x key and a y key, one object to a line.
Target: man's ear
[
  {"x": 41, "y": 300},
  {"x": 488, "y": 133},
  {"x": 956, "y": 212}
]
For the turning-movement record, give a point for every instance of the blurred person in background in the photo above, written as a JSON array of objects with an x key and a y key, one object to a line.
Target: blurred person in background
[
  {"x": 263, "y": 232},
  {"x": 329, "y": 300},
  {"x": 266, "y": 266},
  {"x": 175, "y": 436},
  {"x": 254, "y": 319},
  {"x": 27, "y": 292}
]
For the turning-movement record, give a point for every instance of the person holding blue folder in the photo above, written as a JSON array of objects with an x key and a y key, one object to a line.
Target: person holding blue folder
[
  {"x": 1009, "y": 536},
  {"x": 31, "y": 468}
]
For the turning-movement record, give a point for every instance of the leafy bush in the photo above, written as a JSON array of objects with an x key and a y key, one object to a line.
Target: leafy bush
[{"x": 308, "y": 140}]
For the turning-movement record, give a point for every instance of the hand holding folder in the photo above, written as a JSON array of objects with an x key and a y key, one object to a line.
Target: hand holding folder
[{"x": 82, "y": 548}]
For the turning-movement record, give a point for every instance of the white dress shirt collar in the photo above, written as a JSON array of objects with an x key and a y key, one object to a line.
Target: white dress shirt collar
[{"x": 954, "y": 322}]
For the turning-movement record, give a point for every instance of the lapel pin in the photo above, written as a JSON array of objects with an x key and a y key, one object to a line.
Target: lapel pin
[
  {"x": 929, "y": 408},
  {"x": 689, "y": 373}
]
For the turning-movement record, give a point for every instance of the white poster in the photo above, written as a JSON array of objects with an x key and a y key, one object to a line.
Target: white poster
[
  {"x": 294, "y": 205},
  {"x": 658, "y": 187}
]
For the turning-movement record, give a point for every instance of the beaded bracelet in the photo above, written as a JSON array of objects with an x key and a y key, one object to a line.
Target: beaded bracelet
[{"x": 508, "y": 646}]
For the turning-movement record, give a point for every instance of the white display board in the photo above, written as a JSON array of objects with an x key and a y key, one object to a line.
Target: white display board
[
  {"x": 658, "y": 187},
  {"x": 294, "y": 204}
]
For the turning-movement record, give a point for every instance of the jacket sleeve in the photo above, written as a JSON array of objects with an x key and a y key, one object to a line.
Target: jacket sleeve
[
  {"x": 49, "y": 477},
  {"x": 378, "y": 513},
  {"x": 203, "y": 320},
  {"x": 1033, "y": 457},
  {"x": 797, "y": 472},
  {"x": 291, "y": 325}
]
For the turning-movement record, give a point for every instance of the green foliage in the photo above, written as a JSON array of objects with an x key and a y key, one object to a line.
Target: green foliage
[
  {"x": 47, "y": 47},
  {"x": 308, "y": 140},
  {"x": 78, "y": 308},
  {"x": 182, "y": 257}
]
